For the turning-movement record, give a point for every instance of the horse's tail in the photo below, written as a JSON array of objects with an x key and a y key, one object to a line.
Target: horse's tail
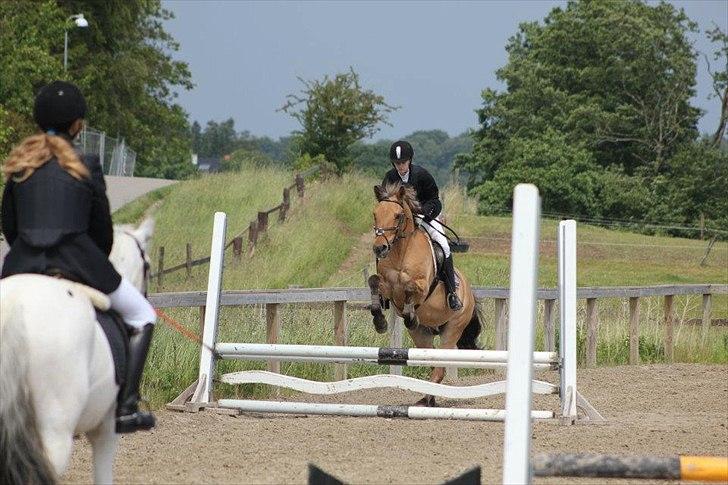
[
  {"x": 22, "y": 458},
  {"x": 469, "y": 337}
]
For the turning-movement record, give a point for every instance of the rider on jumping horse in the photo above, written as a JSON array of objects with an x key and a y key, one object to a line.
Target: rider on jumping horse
[
  {"x": 56, "y": 219},
  {"x": 405, "y": 172}
]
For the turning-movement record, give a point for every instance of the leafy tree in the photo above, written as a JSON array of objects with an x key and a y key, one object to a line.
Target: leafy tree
[
  {"x": 335, "y": 113},
  {"x": 720, "y": 79},
  {"x": 600, "y": 91},
  {"x": 122, "y": 63}
]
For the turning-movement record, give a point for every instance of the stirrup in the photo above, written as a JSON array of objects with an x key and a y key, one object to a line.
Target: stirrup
[{"x": 136, "y": 421}]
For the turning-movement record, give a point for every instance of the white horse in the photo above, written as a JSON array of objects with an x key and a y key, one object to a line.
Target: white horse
[{"x": 56, "y": 370}]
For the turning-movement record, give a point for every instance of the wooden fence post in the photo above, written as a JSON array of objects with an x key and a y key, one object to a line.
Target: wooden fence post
[
  {"x": 188, "y": 261},
  {"x": 273, "y": 327},
  {"x": 286, "y": 204},
  {"x": 202, "y": 320},
  {"x": 591, "y": 332},
  {"x": 262, "y": 222},
  {"x": 707, "y": 307},
  {"x": 501, "y": 324},
  {"x": 634, "y": 331},
  {"x": 160, "y": 268},
  {"x": 340, "y": 336},
  {"x": 669, "y": 320},
  {"x": 238, "y": 247},
  {"x": 252, "y": 237},
  {"x": 300, "y": 185},
  {"x": 548, "y": 326}
]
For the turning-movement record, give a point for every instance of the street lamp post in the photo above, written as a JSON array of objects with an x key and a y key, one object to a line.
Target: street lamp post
[{"x": 79, "y": 21}]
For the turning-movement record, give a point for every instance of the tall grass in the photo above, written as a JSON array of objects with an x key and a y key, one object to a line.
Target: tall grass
[{"x": 325, "y": 242}]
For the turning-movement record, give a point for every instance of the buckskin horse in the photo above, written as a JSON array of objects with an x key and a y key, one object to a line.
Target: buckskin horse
[
  {"x": 407, "y": 277},
  {"x": 57, "y": 376}
]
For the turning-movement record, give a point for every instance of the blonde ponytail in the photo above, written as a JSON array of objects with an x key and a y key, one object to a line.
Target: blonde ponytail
[{"x": 36, "y": 150}]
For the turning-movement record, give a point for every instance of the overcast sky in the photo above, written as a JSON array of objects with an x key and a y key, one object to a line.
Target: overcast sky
[{"x": 431, "y": 58}]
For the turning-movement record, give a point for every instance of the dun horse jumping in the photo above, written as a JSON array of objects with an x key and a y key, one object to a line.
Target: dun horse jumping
[{"x": 407, "y": 278}]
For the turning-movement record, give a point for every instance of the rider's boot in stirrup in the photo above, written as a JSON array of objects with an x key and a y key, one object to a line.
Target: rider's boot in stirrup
[
  {"x": 452, "y": 297},
  {"x": 128, "y": 416}
]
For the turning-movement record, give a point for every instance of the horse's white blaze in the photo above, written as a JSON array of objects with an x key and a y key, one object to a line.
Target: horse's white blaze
[{"x": 68, "y": 364}]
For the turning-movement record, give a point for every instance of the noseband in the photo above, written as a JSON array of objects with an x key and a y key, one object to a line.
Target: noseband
[
  {"x": 398, "y": 229},
  {"x": 143, "y": 254}
]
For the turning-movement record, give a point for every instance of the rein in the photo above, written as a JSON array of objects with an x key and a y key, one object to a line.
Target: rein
[
  {"x": 146, "y": 263},
  {"x": 398, "y": 229}
]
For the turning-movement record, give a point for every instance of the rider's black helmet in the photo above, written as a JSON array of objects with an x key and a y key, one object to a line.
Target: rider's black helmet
[
  {"x": 400, "y": 151},
  {"x": 58, "y": 105}
]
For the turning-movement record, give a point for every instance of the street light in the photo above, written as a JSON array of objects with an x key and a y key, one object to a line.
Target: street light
[{"x": 79, "y": 21}]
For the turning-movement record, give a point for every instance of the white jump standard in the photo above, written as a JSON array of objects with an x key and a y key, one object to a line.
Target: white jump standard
[{"x": 199, "y": 395}]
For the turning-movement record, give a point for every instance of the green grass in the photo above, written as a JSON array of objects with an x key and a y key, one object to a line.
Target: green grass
[
  {"x": 321, "y": 244},
  {"x": 134, "y": 212}
]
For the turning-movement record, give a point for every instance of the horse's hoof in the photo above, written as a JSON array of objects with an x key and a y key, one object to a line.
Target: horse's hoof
[
  {"x": 380, "y": 323},
  {"x": 427, "y": 401}
]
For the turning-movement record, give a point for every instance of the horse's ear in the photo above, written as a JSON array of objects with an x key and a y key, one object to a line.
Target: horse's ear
[
  {"x": 379, "y": 192},
  {"x": 144, "y": 232}
]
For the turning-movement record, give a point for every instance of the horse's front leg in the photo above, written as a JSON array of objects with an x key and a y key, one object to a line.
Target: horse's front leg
[
  {"x": 411, "y": 291},
  {"x": 104, "y": 441},
  {"x": 380, "y": 323},
  {"x": 423, "y": 339}
]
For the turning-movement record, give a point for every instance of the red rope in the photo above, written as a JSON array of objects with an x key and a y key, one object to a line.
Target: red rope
[{"x": 183, "y": 330}]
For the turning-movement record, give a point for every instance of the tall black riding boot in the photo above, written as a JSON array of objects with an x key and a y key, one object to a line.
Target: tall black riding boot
[
  {"x": 128, "y": 416},
  {"x": 452, "y": 297}
]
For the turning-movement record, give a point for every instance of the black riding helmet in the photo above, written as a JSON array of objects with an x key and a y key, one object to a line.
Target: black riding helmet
[
  {"x": 400, "y": 151},
  {"x": 58, "y": 105}
]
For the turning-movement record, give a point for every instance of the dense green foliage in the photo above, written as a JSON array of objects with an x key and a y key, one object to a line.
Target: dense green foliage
[
  {"x": 334, "y": 114},
  {"x": 596, "y": 112},
  {"x": 122, "y": 62},
  {"x": 434, "y": 149},
  {"x": 220, "y": 139}
]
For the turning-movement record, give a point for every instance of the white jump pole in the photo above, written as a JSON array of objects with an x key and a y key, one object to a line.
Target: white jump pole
[
  {"x": 567, "y": 309},
  {"x": 212, "y": 309},
  {"x": 524, "y": 264}
]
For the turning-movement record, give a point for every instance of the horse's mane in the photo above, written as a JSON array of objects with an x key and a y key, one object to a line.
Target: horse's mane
[{"x": 410, "y": 195}]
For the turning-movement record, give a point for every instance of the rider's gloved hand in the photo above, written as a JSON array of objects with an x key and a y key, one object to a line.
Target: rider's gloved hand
[{"x": 426, "y": 218}]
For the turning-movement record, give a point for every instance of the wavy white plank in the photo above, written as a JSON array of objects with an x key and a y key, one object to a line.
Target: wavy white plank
[{"x": 377, "y": 382}]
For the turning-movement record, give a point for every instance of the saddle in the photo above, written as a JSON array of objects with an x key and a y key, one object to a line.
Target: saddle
[{"x": 112, "y": 325}]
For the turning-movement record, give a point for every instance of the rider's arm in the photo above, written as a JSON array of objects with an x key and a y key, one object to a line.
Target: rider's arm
[
  {"x": 9, "y": 224},
  {"x": 100, "y": 229},
  {"x": 430, "y": 196}
]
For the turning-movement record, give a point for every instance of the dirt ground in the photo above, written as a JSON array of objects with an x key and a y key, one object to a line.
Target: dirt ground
[{"x": 651, "y": 409}]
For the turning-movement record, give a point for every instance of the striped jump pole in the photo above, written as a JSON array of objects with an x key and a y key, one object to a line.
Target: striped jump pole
[
  {"x": 371, "y": 410},
  {"x": 693, "y": 468},
  {"x": 483, "y": 359}
]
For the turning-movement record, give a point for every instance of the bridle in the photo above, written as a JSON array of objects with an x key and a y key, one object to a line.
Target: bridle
[
  {"x": 143, "y": 254},
  {"x": 398, "y": 229}
]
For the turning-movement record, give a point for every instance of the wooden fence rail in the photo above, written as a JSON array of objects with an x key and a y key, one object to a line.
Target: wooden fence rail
[
  {"x": 254, "y": 230},
  {"x": 353, "y": 298}
]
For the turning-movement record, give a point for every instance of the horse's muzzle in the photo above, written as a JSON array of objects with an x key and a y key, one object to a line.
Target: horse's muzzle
[{"x": 381, "y": 251}]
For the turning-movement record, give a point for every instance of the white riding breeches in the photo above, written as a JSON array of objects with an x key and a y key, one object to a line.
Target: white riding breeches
[
  {"x": 134, "y": 309},
  {"x": 436, "y": 232}
]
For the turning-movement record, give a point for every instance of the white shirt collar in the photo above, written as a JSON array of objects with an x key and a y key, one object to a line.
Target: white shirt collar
[{"x": 405, "y": 177}]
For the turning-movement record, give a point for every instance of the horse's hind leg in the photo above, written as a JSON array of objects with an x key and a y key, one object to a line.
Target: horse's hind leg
[
  {"x": 103, "y": 442},
  {"x": 380, "y": 322},
  {"x": 423, "y": 339}
]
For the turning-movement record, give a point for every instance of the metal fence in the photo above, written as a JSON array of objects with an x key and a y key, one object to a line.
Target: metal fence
[{"x": 116, "y": 158}]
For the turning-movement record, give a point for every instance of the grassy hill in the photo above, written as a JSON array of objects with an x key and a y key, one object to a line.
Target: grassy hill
[{"x": 326, "y": 241}]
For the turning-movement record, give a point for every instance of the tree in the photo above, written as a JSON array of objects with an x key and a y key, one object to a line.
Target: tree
[
  {"x": 122, "y": 62},
  {"x": 602, "y": 90},
  {"x": 720, "y": 79},
  {"x": 335, "y": 113}
]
